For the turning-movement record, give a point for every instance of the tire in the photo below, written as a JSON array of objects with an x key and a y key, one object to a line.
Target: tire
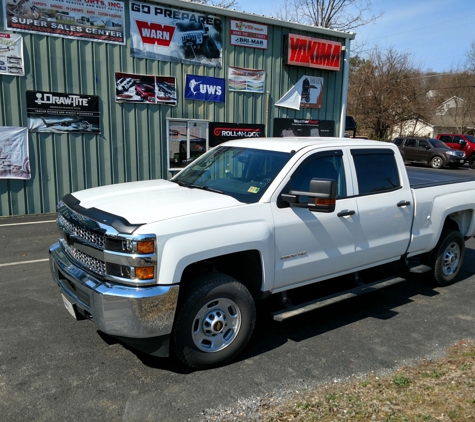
[
  {"x": 214, "y": 322},
  {"x": 447, "y": 257},
  {"x": 436, "y": 162},
  {"x": 210, "y": 49},
  {"x": 471, "y": 163}
]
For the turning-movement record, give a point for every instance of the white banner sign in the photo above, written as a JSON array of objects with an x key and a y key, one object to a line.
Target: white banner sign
[
  {"x": 14, "y": 158},
  {"x": 11, "y": 55}
]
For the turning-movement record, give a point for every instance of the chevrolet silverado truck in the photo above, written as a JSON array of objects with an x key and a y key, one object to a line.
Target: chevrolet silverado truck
[{"x": 176, "y": 267}]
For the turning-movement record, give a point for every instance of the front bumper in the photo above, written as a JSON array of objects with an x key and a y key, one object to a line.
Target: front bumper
[{"x": 117, "y": 310}]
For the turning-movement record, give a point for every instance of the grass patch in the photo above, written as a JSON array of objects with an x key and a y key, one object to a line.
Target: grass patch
[{"x": 442, "y": 390}]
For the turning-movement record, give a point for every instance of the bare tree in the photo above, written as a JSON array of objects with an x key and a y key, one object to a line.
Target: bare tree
[
  {"x": 343, "y": 15},
  {"x": 384, "y": 92},
  {"x": 227, "y": 4}
]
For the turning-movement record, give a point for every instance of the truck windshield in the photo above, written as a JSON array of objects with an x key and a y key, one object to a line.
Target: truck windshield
[{"x": 242, "y": 173}]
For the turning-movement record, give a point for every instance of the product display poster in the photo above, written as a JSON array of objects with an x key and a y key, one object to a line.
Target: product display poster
[
  {"x": 62, "y": 113},
  {"x": 306, "y": 93},
  {"x": 222, "y": 132},
  {"x": 91, "y": 20},
  {"x": 159, "y": 32},
  {"x": 11, "y": 54},
  {"x": 14, "y": 158},
  {"x": 145, "y": 89},
  {"x": 204, "y": 88},
  {"x": 303, "y": 127},
  {"x": 246, "y": 80}
]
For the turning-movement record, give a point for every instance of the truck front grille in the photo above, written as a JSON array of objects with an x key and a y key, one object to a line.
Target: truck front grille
[
  {"x": 88, "y": 262},
  {"x": 91, "y": 238}
]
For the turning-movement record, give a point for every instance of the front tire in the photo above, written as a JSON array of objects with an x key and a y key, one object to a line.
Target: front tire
[
  {"x": 447, "y": 257},
  {"x": 214, "y": 323},
  {"x": 436, "y": 162},
  {"x": 471, "y": 163}
]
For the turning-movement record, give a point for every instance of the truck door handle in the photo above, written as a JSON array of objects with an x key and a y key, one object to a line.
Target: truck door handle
[
  {"x": 345, "y": 213},
  {"x": 403, "y": 203}
]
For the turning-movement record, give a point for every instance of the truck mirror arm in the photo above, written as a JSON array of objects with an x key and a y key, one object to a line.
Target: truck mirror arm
[{"x": 321, "y": 196}]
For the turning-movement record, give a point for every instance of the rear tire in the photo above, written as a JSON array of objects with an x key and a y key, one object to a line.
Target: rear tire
[
  {"x": 214, "y": 322},
  {"x": 447, "y": 257},
  {"x": 471, "y": 163}
]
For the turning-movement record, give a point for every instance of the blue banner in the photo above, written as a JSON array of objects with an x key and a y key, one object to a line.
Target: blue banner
[{"x": 204, "y": 88}]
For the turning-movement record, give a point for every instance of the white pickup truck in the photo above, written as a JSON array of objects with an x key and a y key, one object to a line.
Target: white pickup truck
[{"x": 178, "y": 265}]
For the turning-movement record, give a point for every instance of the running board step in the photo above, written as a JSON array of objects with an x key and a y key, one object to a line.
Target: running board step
[
  {"x": 420, "y": 269},
  {"x": 291, "y": 311}
]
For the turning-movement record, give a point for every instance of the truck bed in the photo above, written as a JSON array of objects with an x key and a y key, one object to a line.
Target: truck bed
[{"x": 422, "y": 178}]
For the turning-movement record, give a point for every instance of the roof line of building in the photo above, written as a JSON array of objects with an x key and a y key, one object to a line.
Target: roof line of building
[{"x": 242, "y": 15}]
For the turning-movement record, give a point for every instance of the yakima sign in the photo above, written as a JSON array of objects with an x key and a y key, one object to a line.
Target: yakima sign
[{"x": 312, "y": 52}]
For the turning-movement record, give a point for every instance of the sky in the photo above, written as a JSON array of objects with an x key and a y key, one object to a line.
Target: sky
[{"x": 436, "y": 34}]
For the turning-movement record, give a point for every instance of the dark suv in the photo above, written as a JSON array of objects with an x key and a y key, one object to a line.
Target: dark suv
[{"x": 429, "y": 151}]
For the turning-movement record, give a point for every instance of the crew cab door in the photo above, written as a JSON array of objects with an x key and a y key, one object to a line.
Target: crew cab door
[
  {"x": 311, "y": 245},
  {"x": 385, "y": 207}
]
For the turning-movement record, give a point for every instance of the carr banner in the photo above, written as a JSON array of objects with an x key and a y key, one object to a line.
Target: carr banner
[
  {"x": 145, "y": 89},
  {"x": 14, "y": 158},
  {"x": 159, "y": 32},
  {"x": 204, "y": 88},
  {"x": 11, "y": 54},
  {"x": 249, "y": 34},
  {"x": 62, "y": 113},
  {"x": 222, "y": 132},
  {"x": 246, "y": 80},
  {"x": 306, "y": 93},
  {"x": 303, "y": 127},
  {"x": 91, "y": 20}
]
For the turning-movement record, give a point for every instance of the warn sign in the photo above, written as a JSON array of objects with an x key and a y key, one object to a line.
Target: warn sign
[
  {"x": 155, "y": 33},
  {"x": 312, "y": 52}
]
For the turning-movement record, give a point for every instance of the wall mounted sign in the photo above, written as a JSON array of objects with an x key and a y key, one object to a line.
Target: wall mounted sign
[
  {"x": 249, "y": 34},
  {"x": 300, "y": 50},
  {"x": 204, "y": 88},
  {"x": 14, "y": 158},
  {"x": 222, "y": 132},
  {"x": 11, "y": 55},
  {"x": 91, "y": 20},
  {"x": 159, "y": 32},
  {"x": 149, "y": 89},
  {"x": 306, "y": 93},
  {"x": 246, "y": 80},
  {"x": 303, "y": 127},
  {"x": 62, "y": 113}
]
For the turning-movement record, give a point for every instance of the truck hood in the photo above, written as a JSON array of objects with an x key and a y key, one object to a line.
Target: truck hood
[{"x": 152, "y": 200}]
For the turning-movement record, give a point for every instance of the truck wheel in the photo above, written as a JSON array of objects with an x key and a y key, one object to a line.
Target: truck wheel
[
  {"x": 447, "y": 257},
  {"x": 471, "y": 163},
  {"x": 210, "y": 49},
  {"x": 214, "y": 323},
  {"x": 436, "y": 162}
]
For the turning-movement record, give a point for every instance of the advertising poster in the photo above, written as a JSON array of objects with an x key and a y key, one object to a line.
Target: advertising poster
[
  {"x": 303, "y": 127},
  {"x": 249, "y": 34},
  {"x": 159, "y": 32},
  {"x": 62, "y": 113},
  {"x": 91, "y": 20},
  {"x": 14, "y": 158},
  {"x": 145, "y": 89},
  {"x": 246, "y": 80},
  {"x": 204, "y": 88},
  {"x": 222, "y": 132},
  {"x": 306, "y": 93},
  {"x": 11, "y": 54}
]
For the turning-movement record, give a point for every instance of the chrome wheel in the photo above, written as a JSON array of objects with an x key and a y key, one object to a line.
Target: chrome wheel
[
  {"x": 451, "y": 259},
  {"x": 216, "y": 325},
  {"x": 436, "y": 163}
]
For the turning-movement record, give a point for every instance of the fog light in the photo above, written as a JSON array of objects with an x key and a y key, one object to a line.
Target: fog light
[{"x": 144, "y": 273}]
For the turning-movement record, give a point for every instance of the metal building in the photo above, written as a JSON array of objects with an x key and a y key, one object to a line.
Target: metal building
[{"x": 134, "y": 70}]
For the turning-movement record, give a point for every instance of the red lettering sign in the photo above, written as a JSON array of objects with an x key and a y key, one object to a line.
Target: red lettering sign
[
  {"x": 313, "y": 52},
  {"x": 155, "y": 33}
]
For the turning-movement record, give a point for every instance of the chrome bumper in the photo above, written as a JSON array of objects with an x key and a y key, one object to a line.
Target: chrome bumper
[{"x": 133, "y": 312}]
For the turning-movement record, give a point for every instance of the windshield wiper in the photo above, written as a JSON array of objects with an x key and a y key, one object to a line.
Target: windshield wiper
[{"x": 193, "y": 186}]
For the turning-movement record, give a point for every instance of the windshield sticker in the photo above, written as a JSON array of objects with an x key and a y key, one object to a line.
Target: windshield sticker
[{"x": 253, "y": 189}]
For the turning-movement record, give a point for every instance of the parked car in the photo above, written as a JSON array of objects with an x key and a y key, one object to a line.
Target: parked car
[
  {"x": 465, "y": 143},
  {"x": 429, "y": 151}
]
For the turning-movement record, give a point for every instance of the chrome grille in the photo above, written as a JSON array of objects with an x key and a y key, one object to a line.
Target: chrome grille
[
  {"x": 88, "y": 236},
  {"x": 88, "y": 262}
]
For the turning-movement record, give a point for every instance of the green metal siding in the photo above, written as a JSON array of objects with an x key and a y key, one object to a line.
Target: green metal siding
[{"x": 133, "y": 141}]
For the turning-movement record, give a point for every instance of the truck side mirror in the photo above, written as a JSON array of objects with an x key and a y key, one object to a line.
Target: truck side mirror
[{"x": 321, "y": 196}]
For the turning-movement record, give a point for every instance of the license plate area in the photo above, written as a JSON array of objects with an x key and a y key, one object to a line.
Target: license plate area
[{"x": 69, "y": 307}]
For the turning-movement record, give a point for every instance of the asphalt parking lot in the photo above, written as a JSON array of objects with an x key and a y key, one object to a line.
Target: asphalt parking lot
[{"x": 53, "y": 368}]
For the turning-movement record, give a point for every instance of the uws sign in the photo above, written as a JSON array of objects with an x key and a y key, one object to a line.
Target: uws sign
[{"x": 312, "y": 52}]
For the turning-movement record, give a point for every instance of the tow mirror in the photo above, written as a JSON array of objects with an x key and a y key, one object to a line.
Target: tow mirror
[{"x": 321, "y": 196}]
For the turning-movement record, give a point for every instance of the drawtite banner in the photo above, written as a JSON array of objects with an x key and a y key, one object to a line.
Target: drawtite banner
[
  {"x": 159, "y": 32},
  {"x": 246, "y": 80},
  {"x": 249, "y": 34},
  {"x": 62, "y": 113},
  {"x": 204, "y": 88},
  {"x": 222, "y": 132},
  {"x": 11, "y": 54},
  {"x": 147, "y": 89},
  {"x": 91, "y": 20},
  {"x": 306, "y": 93},
  {"x": 14, "y": 158}
]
